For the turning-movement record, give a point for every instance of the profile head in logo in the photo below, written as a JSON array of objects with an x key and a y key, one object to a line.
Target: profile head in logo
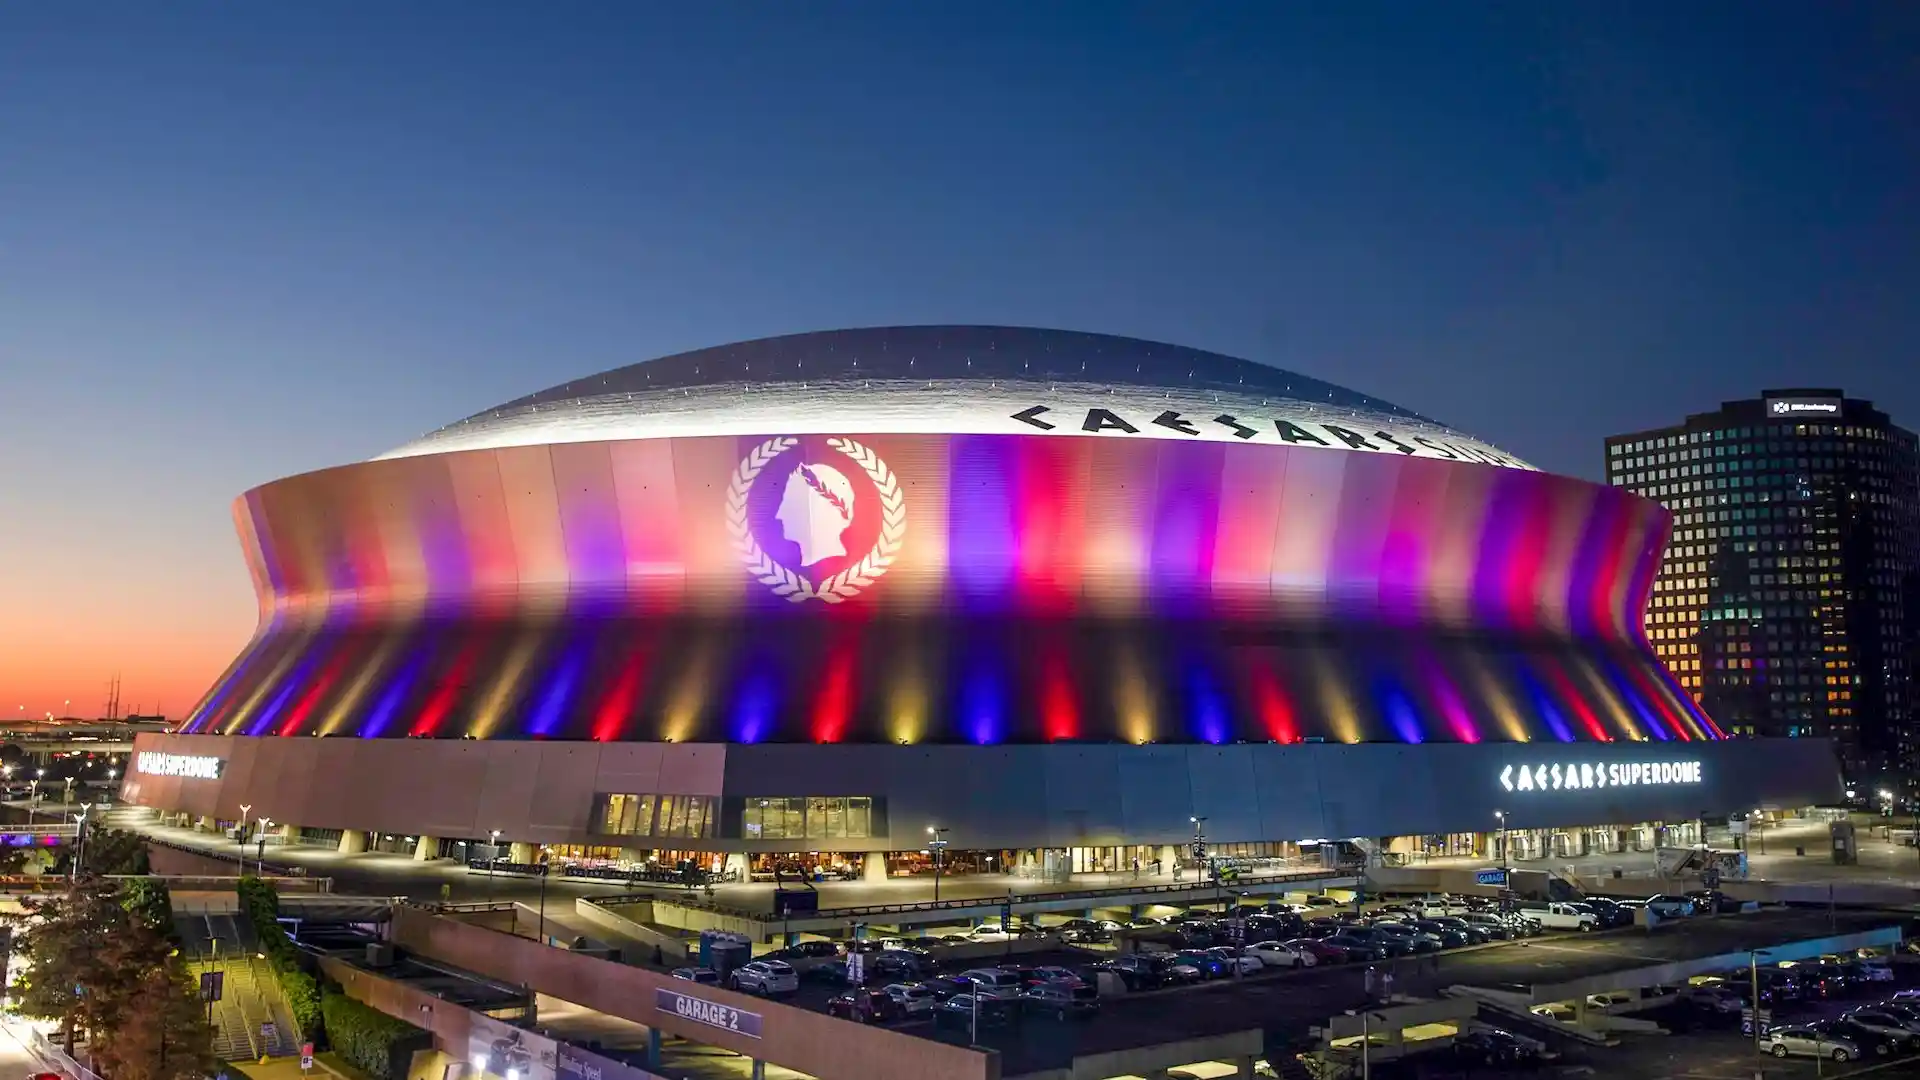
[
  {"x": 816, "y": 510},
  {"x": 816, "y": 517}
]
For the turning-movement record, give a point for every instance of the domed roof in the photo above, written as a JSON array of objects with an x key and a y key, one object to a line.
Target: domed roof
[{"x": 957, "y": 379}]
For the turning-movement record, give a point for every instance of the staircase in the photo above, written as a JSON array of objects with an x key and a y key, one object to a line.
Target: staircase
[{"x": 250, "y": 995}]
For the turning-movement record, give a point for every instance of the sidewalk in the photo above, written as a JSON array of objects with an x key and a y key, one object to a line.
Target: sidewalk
[{"x": 381, "y": 874}]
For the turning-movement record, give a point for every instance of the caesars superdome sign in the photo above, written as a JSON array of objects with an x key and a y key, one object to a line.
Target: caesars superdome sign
[{"x": 1584, "y": 775}]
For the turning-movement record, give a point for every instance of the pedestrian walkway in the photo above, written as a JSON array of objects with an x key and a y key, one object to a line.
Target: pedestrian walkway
[{"x": 381, "y": 874}]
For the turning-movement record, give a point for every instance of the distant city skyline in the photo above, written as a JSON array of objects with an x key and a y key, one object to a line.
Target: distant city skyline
[{"x": 246, "y": 243}]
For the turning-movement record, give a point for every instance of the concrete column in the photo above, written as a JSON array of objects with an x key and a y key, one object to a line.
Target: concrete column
[
  {"x": 289, "y": 834},
  {"x": 735, "y": 865},
  {"x": 759, "y": 1069},
  {"x": 204, "y": 824},
  {"x": 426, "y": 849},
  {"x": 1243, "y": 1067},
  {"x": 653, "y": 1049},
  {"x": 874, "y": 866},
  {"x": 353, "y": 842},
  {"x": 1167, "y": 855},
  {"x": 522, "y": 853}
]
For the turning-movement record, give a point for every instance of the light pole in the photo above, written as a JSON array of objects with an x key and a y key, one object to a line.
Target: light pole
[
  {"x": 493, "y": 857},
  {"x": 80, "y": 836},
  {"x": 263, "y": 823},
  {"x": 112, "y": 775},
  {"x": 543, "y": 897},
  {"x": 245, "y": 809},
  {"x": 1199, "y": 845},
  {"x": 33, "y": 798},
  {"x": 66, "y": 800},
  {"x": 1366, "y": 1046},
  {"x": 1753, "y": 974},
  {"x": 938, "y": 845},
  {"x": 1505, "y": 872}
]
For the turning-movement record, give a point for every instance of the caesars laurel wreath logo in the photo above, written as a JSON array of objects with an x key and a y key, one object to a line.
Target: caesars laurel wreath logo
[{"x": 815, "y": 521}]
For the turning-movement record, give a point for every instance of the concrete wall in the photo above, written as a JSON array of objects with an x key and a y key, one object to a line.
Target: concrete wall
[
  {"x": 808, "y": 1042},
  {"x": 1023, "y": 796}
]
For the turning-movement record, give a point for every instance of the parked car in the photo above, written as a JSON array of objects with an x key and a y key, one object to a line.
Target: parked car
[
  {"x": 1139, "y": 971},
  {"x": 1805, "y": 1040},
  {"x": 703, "y": 976},
  {"x": 947, "y": 986},
  {"x": 1885, "y": 1024},
  {"x": 1415, "y": 940},
  {"x": 995, "y": 982},
  {"x": 1053, "y": 973},
  {"x": 914, "y": 999},
  {"x": 1562, "y": 917},
  {"x": 1474, "y": 934},
  {"x": 1237, "y": 961},
  {"x": 1061, "y": 1001},
  {"x": 1871, "y": 1042},
  {"x": 1493, "y": 926},
  {"x": 1876, "y": 971},
  {"x": 1668, "y": 906},
  {"x": 1450, "y": 937},
  {"x": 1209, "y": 965},
  {"x": 1276, "y": 954},
  {"x": 1497, "y": 1047},
  {"x": 1324, "y": 901},
  {"x": 1713, "y": 997},
  {"x": 765, "y": 977},
  {"x": 865, "y": 1007},
  {"x": 1358, "y": 948},
  {"x": 960, "y": 1011},
  {"x": 1323, "y": 950},
  {"x": 1428, "y": 907}
]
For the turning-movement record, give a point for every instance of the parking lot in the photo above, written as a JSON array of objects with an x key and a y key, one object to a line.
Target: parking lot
[{"x": 1285, "y": 1003}]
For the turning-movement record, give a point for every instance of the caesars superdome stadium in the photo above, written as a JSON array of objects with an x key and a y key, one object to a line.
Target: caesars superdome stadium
[{"x": 1054, "y": 595}]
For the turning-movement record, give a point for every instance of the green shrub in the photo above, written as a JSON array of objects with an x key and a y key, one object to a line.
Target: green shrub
[
  {"x": 369, "y": 1038},
  {"x": 260, "y": 903}
]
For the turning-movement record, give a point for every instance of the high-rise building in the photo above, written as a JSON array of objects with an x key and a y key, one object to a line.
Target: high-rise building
[{"x": 1780, "y": 604}]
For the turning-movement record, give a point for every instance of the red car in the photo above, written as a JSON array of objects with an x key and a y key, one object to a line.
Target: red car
[{"x": 1323, "y": 952}]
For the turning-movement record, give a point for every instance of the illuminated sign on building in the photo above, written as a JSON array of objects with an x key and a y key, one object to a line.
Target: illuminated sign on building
[
  {"x": 189, "y": 766},
  {"x": 1585, "y": 775},
  {"x": 1793, "y": 406},
  {"x": 710, "y": 1013}
]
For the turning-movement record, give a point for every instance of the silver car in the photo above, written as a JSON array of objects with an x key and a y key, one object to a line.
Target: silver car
[
  {"x": 1807, "y": 1040},
  {"x": 765, "y": 977}
]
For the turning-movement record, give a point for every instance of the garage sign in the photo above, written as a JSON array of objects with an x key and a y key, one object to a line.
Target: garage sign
[{"x": 711, "y": 1013}]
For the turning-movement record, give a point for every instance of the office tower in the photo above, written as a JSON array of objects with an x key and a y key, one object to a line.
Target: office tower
[{"x": 1781, "y": 602}]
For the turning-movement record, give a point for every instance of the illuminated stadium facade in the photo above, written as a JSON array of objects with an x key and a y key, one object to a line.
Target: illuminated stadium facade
[{"x": 1056, "y": 593}]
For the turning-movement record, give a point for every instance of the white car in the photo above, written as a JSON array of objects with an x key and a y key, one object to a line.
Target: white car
[
  {"x": 912, "y": 998},
  {"x": 1563, "y": 917},
  {"x": 1274, "y": 954},
  {"x": 1809, "y": 1041},
  {"x": 1670, "y": 907},
  {"x": 1556, "y": 1012},
  {"x": 1238, "y": 963},
  {"x": 765, "y": 977},
  {"x": 989, "y": 932}
]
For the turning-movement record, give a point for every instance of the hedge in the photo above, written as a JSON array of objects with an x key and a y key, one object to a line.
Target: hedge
[
  {"x": 369, "y": 1038},
  {"x": 260, "y": 902}
]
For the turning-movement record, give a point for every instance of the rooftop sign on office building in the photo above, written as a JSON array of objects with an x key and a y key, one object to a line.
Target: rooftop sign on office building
[{"x": 1789, "y": 407}]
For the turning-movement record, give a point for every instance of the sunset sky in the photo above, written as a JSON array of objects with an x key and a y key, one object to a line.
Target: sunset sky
[{"x": 243, "y": 241}]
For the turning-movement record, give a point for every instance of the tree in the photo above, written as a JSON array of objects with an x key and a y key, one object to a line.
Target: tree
[
  {"x": 94, "y": 965},
  {"x": 148, "y": 901},
  {"x": 116, "y": 852},
  {"x": 160, "y": 1032}
]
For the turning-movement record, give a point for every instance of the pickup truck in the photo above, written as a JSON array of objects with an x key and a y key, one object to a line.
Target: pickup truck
[{"x": 1562, "y": 917}]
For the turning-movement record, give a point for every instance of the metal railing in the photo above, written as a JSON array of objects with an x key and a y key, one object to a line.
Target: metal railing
[{"x": 50, "y": 1055}]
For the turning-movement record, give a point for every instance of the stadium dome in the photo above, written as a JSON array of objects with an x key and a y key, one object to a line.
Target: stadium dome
[
  {"x": 950, "y": 535},
  {"x": 956, "y": 380}
]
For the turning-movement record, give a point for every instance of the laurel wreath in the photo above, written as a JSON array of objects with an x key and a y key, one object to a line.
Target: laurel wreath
[{"x": 848, "y": 582}]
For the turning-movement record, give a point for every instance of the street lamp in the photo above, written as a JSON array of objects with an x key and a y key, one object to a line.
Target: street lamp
[
  {"x": 263, "y": 823},
  {"x": 33, "y": 798},
  {"x": 1505, "y": 872},
  {"x": 938, "y": 845},
  {"x": 80, "y": 849},
  {"x": 493, "y": 857},
  {"x": 480, "y": 1063},
  {"x": 245, "y": 809}
]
